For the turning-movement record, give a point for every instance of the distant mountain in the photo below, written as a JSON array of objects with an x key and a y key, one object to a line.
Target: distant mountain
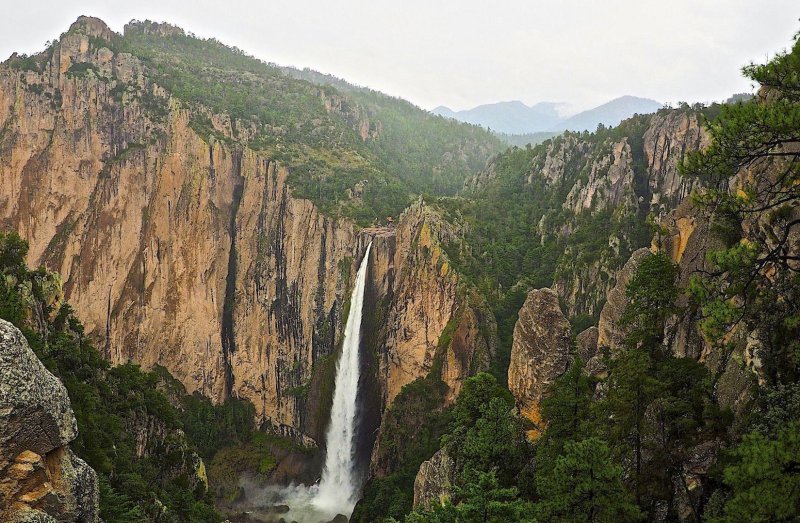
[
  {"x": 609, "y": 114},
  {"x": 515, "y": 118},
  {"x": 508, "y": 117}
]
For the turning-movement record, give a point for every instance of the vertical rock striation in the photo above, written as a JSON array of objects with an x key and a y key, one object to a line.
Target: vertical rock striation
[{"x": 191, "y": 252}]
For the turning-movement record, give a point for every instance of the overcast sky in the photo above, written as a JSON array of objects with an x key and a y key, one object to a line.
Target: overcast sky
[{"x": 463, "y": 53}]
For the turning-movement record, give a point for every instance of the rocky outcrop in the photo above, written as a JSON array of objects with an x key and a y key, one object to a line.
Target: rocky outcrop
[
  {"x": 423, "y": 321},
  {"x": 40, "y": 477},
  {"x": 607, "y": 177},
  {"x": 470, "y": 349},
  {"x": 559, "y": 156},
  {"x": 155, "y": 439},
  {"x": 586, "y": 344},
  {"x": 540, "y": 351},
  {"x": 421, "y": 299},
  {"x": 668, "y": 138},
  {"x": 582, "y": 285},
  {"x": 609, "y": 184},
  {"x": 434, "y": 482},
  {"x": 609, "y": 332}
]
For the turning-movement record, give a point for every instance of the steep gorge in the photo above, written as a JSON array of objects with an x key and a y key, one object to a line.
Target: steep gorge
[
  {"x": 183, "y": 242},
  {"x": 190, "y": 251}
]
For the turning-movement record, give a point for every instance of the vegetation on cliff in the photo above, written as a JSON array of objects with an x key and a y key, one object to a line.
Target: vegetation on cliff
[
  {"x": 520, "y": 236},
  {"x": 642, "y": 433},
  {"x": 350, "y": 150}
]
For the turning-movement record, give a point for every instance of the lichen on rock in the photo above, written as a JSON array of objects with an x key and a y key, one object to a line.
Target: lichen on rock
[{"x": 40, "y": 477}]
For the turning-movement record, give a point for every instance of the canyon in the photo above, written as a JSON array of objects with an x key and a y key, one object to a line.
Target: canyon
[{"x": 202, "y": 242}]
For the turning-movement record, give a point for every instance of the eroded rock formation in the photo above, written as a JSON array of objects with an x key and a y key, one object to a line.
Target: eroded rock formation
[
  {"x": 609, "y": 331},
  {"x": 434, "y": 481},
  {"x": 191, "y": 252},
  {"x": 625, "y": 178},
  {"x": 540, "y": 351},
  {"x": 40, "y": 477}
]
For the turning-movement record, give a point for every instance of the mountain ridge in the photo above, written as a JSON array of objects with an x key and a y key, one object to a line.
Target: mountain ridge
[{"x": 516, "y": 118}]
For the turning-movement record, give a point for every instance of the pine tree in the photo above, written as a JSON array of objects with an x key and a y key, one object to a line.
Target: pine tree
[
  {"x": 764, "y": 478},
  {"x": 584, "y": 485},
  {"x": 632, "y": 388},
  {"x": 755, "y": 278}
]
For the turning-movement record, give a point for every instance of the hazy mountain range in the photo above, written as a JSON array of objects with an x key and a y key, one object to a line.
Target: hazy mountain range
[{"x": 516, "y": 117}]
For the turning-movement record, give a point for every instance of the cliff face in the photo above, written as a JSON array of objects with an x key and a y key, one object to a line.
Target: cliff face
[
  {"x": 40, "y": 477},
  {"x": 426, "y": 309},
  {"x": 665, "y": 142},
  {"x": 173, "y": 250},
  {"x": 613, "y": 179},
  {"x": 191, "y": 252},
  {"x": 609, "y": 332},
  {"x": 422, "y": 323},
  {"x": 609, "y": 184}
]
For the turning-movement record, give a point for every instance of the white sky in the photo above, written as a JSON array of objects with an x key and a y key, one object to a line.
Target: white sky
[{"x": 467, "y": 52}]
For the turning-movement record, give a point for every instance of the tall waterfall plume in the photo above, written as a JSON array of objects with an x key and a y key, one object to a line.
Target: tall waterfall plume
[{"x": 339, "y": 487}]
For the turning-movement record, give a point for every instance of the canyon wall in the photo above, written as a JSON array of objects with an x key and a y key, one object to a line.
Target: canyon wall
[
  {"x": 191, "y": 252},
  {"x": 625, "y": 175}
]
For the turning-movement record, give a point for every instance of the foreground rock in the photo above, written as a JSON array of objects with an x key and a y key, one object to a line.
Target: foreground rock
[
  {"x": 40, "y": 477},
  {"x": 540, "y": 351}
]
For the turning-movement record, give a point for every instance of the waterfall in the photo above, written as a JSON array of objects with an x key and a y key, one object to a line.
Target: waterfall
[{"x": 339, "y": 489}]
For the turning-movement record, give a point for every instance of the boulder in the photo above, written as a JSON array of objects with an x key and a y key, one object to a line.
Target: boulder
[{"x": 41, "y": 479}]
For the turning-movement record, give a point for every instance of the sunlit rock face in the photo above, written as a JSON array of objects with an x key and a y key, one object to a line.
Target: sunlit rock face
[
  {"x": 540, "y": 352},
  {"x": 174, "y": 250},
  {"x": 40, "y": 477},
  {"x": 666, "y": 141},
  {"x": 192, "y": 253}
]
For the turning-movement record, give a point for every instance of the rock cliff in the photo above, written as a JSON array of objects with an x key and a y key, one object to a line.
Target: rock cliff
[
  {"x": 424, "y": 323},
  {"x": 619, "y": 178},
  {"x": 540, "y": 352},
  {"x": 190, "y": 251},
  {"x": 41, "y": 479},
  {"x": 666, "y": 141},
  {"x": 609, "y": 332},
  {"x": 420, "y": 302},
  {"x": 427, "y": 308}
]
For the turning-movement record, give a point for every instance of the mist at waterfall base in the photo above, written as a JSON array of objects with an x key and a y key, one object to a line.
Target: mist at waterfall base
[{"x": 339, "y": 487}]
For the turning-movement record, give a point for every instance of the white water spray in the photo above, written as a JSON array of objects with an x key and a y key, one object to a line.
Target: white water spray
[{"x": 338, "y": 489}]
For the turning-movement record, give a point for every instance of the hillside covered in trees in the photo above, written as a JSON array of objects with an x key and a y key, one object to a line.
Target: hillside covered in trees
[{"x": 641, "y": 430}]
